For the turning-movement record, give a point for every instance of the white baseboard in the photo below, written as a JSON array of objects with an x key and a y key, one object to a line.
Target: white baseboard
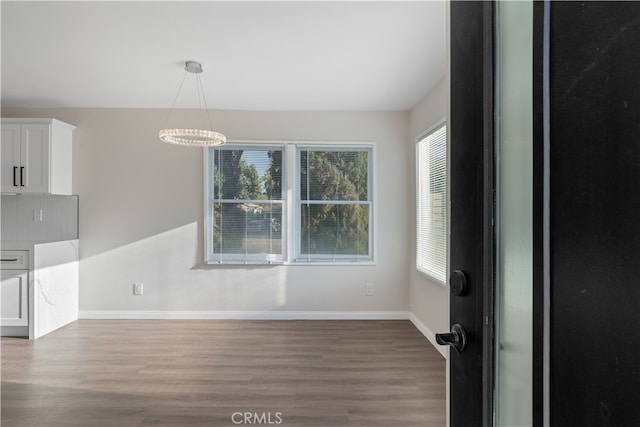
[
  {"x": 431, "y": 336},
  {"x": 245, "y": 315}
]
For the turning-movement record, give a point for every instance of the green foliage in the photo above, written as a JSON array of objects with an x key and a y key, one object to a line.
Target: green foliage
[
  {"x": 334, "y": 228},
  {"x": 273, "y": 176},
  {"x": 235, "y": 178}
]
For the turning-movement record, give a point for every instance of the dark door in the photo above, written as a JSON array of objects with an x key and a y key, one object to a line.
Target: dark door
[
  {"x": 470, "y": 249},
  {"x": 586, "y": 214},
  {"x": 591, "y": 237}
]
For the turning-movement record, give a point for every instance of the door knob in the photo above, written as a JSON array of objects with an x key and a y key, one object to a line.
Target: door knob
[{"x": 457, "y": 338}]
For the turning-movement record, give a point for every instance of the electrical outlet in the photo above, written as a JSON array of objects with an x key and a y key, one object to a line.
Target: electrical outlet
[
  {"x": 368, "y": 289},
  {"x": 138, "y": 289}
]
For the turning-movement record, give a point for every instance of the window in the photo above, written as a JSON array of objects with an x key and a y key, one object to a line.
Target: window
[
  {"x": 334, "y": 204},
  {"x": 431, "y": 203},
  {"x": 244, "y": 204},
  {"x": 262, "y": 199}
]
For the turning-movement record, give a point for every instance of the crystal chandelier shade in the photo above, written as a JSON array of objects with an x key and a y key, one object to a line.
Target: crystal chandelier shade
[{"x": 193, "y": 137}]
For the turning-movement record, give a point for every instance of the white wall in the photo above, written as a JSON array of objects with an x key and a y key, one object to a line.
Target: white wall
[
  {"x": 428, "y": 301},
  {"x": 141, "y": 216}
]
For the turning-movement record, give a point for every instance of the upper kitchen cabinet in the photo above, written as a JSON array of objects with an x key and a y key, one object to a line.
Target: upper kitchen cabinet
[{"x": 36, "y": 156}]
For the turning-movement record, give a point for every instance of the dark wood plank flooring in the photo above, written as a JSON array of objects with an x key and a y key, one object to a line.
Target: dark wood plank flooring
[{"x": 201, "y": 372}]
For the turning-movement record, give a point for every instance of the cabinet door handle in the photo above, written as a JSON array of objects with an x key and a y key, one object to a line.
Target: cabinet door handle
[
  {"x": 21, "y": 176},
  {"x": 8, "y": 259},
  {"x": 15, "y": 180}
]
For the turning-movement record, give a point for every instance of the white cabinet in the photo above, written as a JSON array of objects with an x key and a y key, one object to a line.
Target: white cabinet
[
  {"x": 14, "y": 289},
  {"x": 14, "y": 298},
  {"x": 36, "y": 156}
]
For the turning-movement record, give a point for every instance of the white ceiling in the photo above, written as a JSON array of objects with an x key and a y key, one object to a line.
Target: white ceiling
[{"x": 264, "y": 55}]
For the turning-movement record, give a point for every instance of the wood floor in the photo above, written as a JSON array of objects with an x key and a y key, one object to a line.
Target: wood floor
[{"x": 211, "y": 372}]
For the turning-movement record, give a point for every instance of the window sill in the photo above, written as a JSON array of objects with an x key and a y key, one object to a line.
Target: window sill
[
  {"x": 292, "y": 263},
  {"x": 432, "y": 278},
  {"x": 340, "y": 263}
]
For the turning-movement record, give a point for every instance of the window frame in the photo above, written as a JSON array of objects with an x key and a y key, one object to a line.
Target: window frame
[
  {"x": 299, "y": 257},
  {"x": 291, "y": 218},
  {"x": 425, "y": 270},
  {"x": 211, "y": 257}
]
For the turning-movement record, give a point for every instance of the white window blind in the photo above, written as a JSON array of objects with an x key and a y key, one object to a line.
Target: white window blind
[
  {"x": 245, "y": 204},
  {"x": 431, "y": 204},
  {"x": 334, "y": 204}
]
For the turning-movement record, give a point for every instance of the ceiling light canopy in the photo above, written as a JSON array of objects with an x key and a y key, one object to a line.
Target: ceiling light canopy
[{"x": 187, "y": 136}]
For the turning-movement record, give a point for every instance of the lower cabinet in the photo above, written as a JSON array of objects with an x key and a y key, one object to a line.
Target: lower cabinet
[
  {"x": 14, "y": 297},
  {"x": 14, "y": 290}
]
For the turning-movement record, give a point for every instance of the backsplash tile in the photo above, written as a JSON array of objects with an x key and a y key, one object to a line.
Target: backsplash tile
[{"x": 42, "y": 218}]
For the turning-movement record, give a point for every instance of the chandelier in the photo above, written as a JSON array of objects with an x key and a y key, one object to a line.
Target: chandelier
[{"x": 193, "y": 137}]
